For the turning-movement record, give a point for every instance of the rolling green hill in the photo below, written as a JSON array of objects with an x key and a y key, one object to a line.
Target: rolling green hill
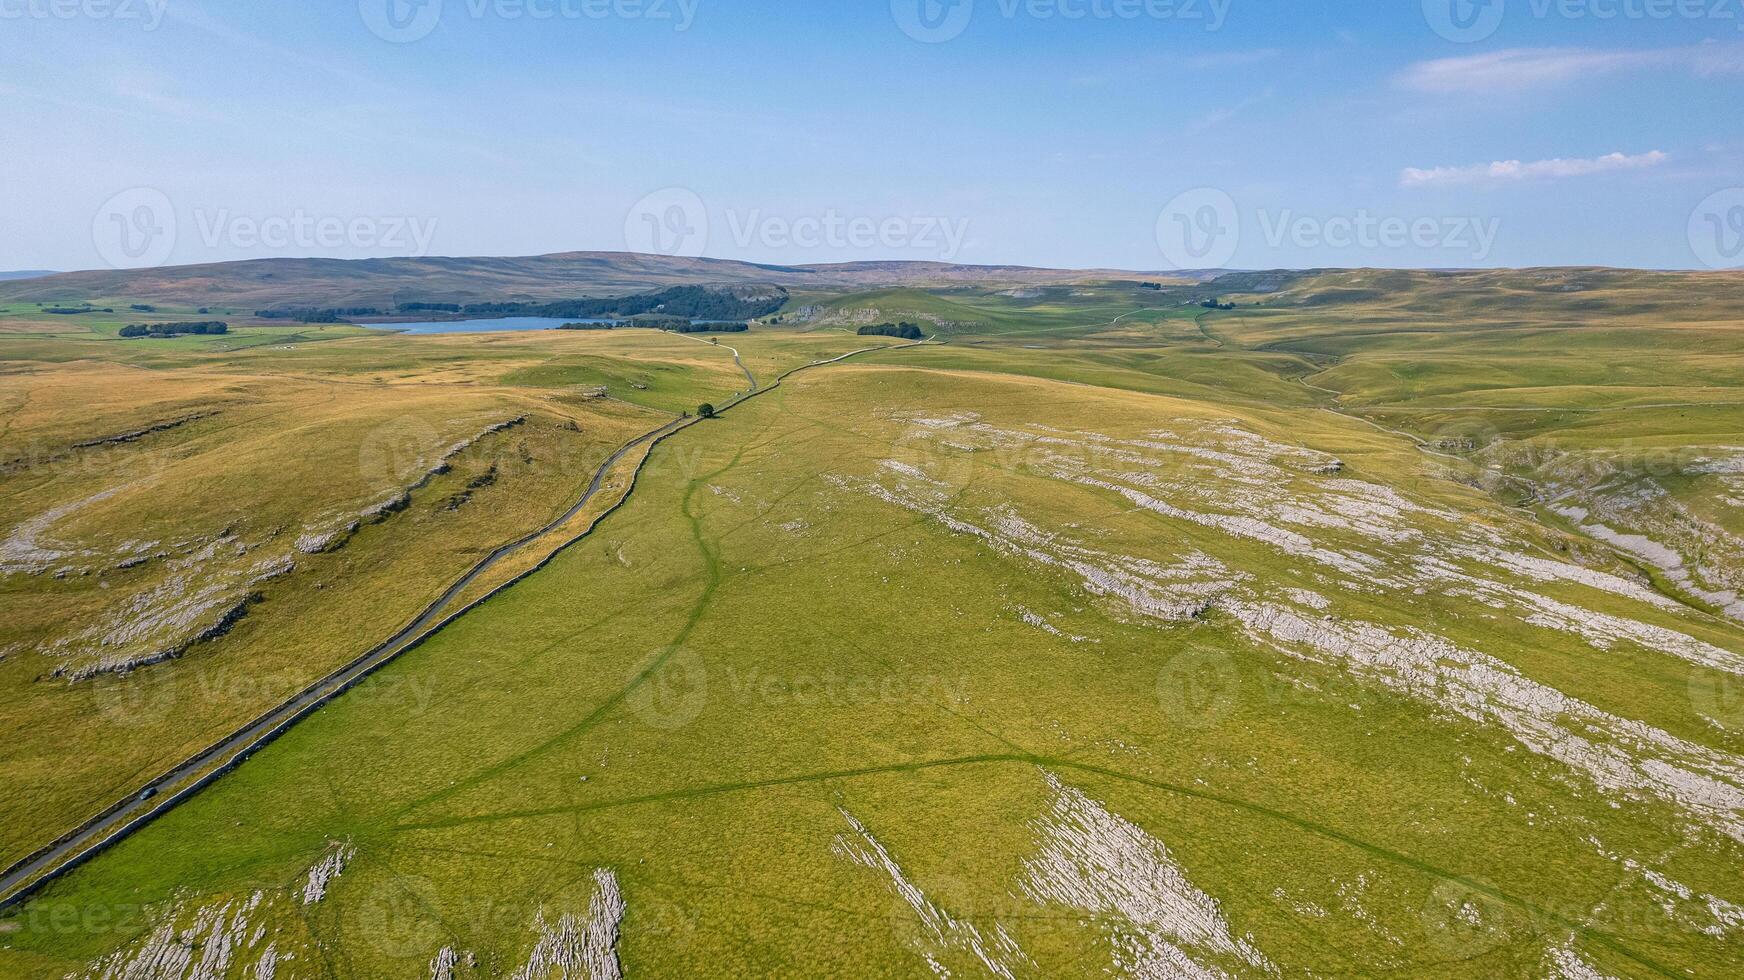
[
  {"x": 1384, "y": 624},
  {"x": 383, "y": 283}
]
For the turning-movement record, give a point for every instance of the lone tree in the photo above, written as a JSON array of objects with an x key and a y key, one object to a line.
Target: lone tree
[{"x": 706, "y": 410}]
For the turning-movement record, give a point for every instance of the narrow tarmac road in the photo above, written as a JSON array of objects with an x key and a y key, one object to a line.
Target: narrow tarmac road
[{"x": 152, "y": 800}]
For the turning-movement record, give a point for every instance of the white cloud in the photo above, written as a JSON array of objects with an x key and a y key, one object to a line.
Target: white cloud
[
  {"x": 1219, "y": 116},
  {"x": 1526, "y": 69},
  {"x": 1513, "y": 170}
]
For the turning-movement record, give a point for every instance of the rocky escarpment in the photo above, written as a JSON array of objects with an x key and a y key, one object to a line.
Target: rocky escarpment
[
  {"x": 170, "y": 597},
  {"x": 1353, "y": 541}
]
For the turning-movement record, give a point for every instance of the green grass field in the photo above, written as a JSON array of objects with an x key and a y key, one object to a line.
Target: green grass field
[{"x": 1109, "y": 637}]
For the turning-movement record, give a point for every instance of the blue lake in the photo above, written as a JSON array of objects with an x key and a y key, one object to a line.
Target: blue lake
[{"x": 497, "y": 325}]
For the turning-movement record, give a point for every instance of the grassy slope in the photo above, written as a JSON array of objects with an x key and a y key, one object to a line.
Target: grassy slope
[
  {"x": 281, "y": 434},
  {"x": 1601, "y": 390},
  {"x": 753, "y": 643}
]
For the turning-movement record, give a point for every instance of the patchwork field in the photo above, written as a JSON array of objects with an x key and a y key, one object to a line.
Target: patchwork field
[{"x": 1380, "y": 626}]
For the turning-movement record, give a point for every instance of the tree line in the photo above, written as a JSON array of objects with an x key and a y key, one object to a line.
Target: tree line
[
  {"x": 660, "y": 323},
  {"x": 161, "y": 330},
  {"x": 679, "y": 302},
  {"x": 308, "y": 314},
  {"x": 905, "y": 330},
  {"x": 684, "y": 302}
]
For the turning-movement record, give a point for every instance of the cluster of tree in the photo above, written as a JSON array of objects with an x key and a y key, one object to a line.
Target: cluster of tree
[
  {"x": 682, "y": 304},
  {"x": 685, "y": 302},
  {"x": 161, "y": 330},
  {"x": 687, "y": 326},
  {"x": 669, "y": 323},
  {"x": 143, "y": 308},
  {"x": 312, "y": 315},
  {"x": 1150, "y": 285},
  {"x": 74, "y": 311},
  {"x": 1212, "y": 304},
  {"x": 905, "y": 330}
]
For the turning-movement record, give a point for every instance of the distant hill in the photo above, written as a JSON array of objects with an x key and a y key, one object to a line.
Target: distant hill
[
  {"x": 27, "y": 274},
  {"x": 264, "y": 283}
]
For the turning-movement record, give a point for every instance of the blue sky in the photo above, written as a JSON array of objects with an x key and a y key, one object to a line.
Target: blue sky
[{"x": 1264, "y": 133}]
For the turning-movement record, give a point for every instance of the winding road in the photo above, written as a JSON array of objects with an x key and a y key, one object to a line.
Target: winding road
[
  {"x": 736, "y": 358},
  {"x": 162, "y": 794}
]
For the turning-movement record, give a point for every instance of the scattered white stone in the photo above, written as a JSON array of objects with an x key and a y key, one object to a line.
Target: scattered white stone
[
  {"x": 1303, "y": 597},
  {"x": 1217, "y": 475},
  {"x": 209, "y": 942},
  {"x": 325, "y": 870},
  {"x": 579, "y": 948},
  {"x": 200, "y": 598},
  {"x": 1618, "y": 754},
  {"x": 1567, "y": 964},
  {"x": 24, "y": 550},
  {"x": 317, "y": 542},
  {"x": 1665, "y": 558},
  {"x": 1040, "y": 622},
  {"x": 1603, "y": 630},
  {"x": 909, "y": 470},
  {"x": 950, "y": 421},
  {"x": 1289, "y": 542},
  {"x": 943, "y": 933},
  {"x": 1546, "y": 570},
  {"x": 1721, "y": 916},
  {"x": 1179, "y": 592},
  {"x": 1097, "y": 862}
]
